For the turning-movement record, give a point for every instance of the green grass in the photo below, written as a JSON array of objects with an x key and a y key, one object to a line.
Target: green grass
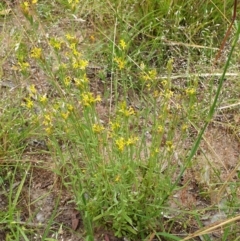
[{"x": 120, "y": 136}]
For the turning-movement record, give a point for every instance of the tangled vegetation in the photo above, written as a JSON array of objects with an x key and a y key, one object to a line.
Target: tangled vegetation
[{"x": 118, "y": 95}]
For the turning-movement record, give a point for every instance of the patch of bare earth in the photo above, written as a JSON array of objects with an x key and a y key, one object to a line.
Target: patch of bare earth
[
  {"x": 45, "y": 204},
  {"x": 207, "y": 183}
]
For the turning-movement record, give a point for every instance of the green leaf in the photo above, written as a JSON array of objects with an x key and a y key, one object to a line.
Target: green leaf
[
  {"x": 130, "y": 229},
  {"x": 128, "y": 219},
  {"x": 167, "y": 235}
]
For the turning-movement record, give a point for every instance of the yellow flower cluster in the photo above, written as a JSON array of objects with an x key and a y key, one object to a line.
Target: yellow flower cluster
[
  {"x": 25, "y": 6},
  {"x": 71, "y": 39},
  {"x": 81, "y": 83},
  {"x": 32, "y": 90},
  {"x": 160, "y": 129},
  {"x": 73, "y": 47},
  {"x": 97, "y": 128},
  {"x": 67, "y": 81},
  {"x": 65, "y": 114},
  {"x": 88, "y": 99},
  {"x": 23, "y": 66},
  {"x": 80, "y": 64},
  {"x": 126, "y": 111},
  {"x": 169, "y": 146},
  {"x": 73, "y": 3},
  {"x": 117, "y": 178},
  {"x": 168, "y": 94},
  {"x": 149, "y": 77},
  {"x": 47, "y": 122},
  {"x": 36, "y": 53},
  {"x": 190, "y": 91},
  {"x": 121, "y": 142},
  {"x": 28, "y": 101},
  {"x": 43, "y": 99},
  {"x": 122, "y": 44},
  {"x": 55, "y": 43},
  {"x": 120, "y": 62},
  {"x": 115, "y": 125}
]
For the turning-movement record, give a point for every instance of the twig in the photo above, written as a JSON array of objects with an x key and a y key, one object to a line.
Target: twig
[
  {"x": 198, "y": 75},
  {"x": 229, "y": 106},
  {"x": 227, "y": 33}
]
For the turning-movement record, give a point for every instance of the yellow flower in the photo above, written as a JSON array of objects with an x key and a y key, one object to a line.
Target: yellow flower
[
  {"x": 126, "y": 111},
  {"x": 67, "y": 81},
  {"x": 69, "y": 36},
  {"x": 25, "y": 7},
  {"x": 120, "y": 62},
  {"x": 72, "y": 46},
  {"x": 190, "y": 91},
  {"x": 72, "y": 39},
  {"x": 48, "y": 130},
  {"x": 122, "y": 44},
  {"x": 83, "y": 64},
  {"x": 114, "y": 126},
  {"x": 92, "y": 38},
  {"x": 75, "y": 64},
  {"x": 43, "y": 99},
  {"x": 98, "y": 98},
  {"x": 156, "y": 94},
  {"x": 26, "y": 4},
  {"x": 65, "y": 115},
  {"x": 184, "y": 127},
  {"x": 97, "y": 128},
  {"x": 131, "y": 141},
  {"x": 88, "y": 99},
  {"x": 164, "y": 82},
  {"x": 80, "y": 64},
  {"x": 36, "y": 53},
  {"x": 117, "y": 178},
  {"x": 34, "y": 1},
  {"x": 47, "y": 120},
  {"x": 76, "y": 53},
  {"x": 169, "y": 145},
  {"x": 120, "y": 143},
  {"x": 28, "y": 103},
  {"x": 154, "y": 152},
  {"x": 55, "y": 43},
  {"x": 152, "y": 73},
  {"x": 160, "y": 129},
  {"x": 32, "y": 89},
  {"x": 23, "y": 65},
  {"x": 149, "y": 76},
  {"x": 70, "y": 107},
  {"x": 168, "y": 94},
  {"x": 73, "y": 3},
  {"x": 80, "y": 83}
]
